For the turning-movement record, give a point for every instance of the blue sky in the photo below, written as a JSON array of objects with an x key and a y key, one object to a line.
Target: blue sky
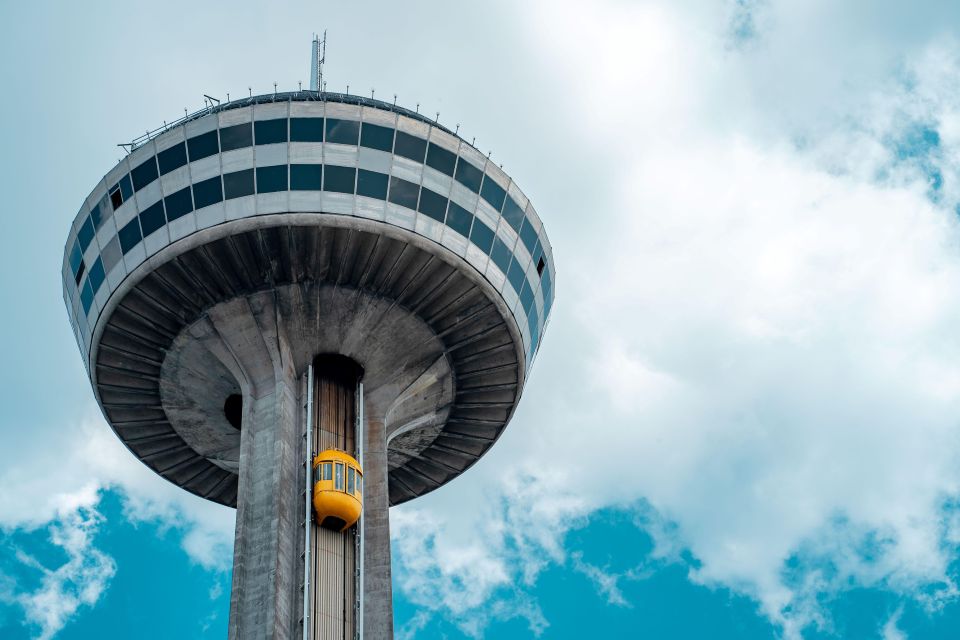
[{"x": 743, "y": 420}]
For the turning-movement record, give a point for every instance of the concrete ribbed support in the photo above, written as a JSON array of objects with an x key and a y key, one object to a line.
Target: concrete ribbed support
[{"x": 378, "y": 589}]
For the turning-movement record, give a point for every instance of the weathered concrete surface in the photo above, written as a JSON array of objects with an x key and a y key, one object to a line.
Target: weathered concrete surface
[{"x": 377, "y": 584}]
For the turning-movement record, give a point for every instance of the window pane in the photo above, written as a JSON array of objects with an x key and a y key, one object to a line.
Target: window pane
[
  {"x": 526, "y": 296},
  {"x": 78, "y": 276},
  {"x": 372, "y": 184},
  {"x": 492, "y": 193},
  {"x": 512, "y": 213},
  {"x": 482, "y": 236},
  {"x": 152, "y": 218},
  {"x": 238, "y": 184},
  {"x": 338, "y": 476},
  {"x": 339, "y": 179},
  {"x": 270, "y": 131},
  {"x": 271, "y": 179},
  {"x": 327, "y": 471},
  {"x": 130, "y": 235},
  {"x": 343, "y": 131},
  {"x": 126, "y": 188},
  {"x": 528, "y": 234},
  {"x": 111, "y": 254},
  {"x": 178, "y": 204},
  {"x": 501, "y": 254},
  {"x": 376, "y": 137},
  {"x": 144, "y": 174},
  {"x": 207, "y": 192},
  {"x": 351, "y": 477},
  {"x": 459, "y": 219},
  {"x": 433, "y": 204},
  {"x": 359, "y": 483},
  {"x": 95, "y": 216},
  {"x": 85, "y": 234},
  {"x": 203, "y": 145},
  {"x": 441, "y": 159},
  {"x": 402, "y": 192},
  {"x": 306, "y": 130},
  {"x": 116, "y": 198},
  {"x": 86, "y": 297},
  {"x": 97, "y": 275},
  {"x": 236, "y": 137},
  {"x": 172, "y": 158},
  {"x": 76, "y": 257},
  {"x": 469, "y": 176},
  {"x": 516, "y": 276},
  {"x": 410, "y": 146},
  {"x": 306, "y": 177}
]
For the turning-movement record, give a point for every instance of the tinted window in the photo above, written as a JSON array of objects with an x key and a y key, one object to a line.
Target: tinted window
[
  {"x": 410, "y": 146},
  {"x": 469, "y": 176},
  {"x": 516, "y": 276},
  {"x": 372, "y": 184},
  {"x": 78, "y": 276},
  {"x": 144, "y": 174},
  {"x": 339, "y": 179},
  {"x": 343, "y": 131},
  {"x": 501, "y": 254},
  {"x": 203, "y": 145},
  {"x": 493, "y": 193},
  {"x": 152, "y": 218},
  {"x": 129, "y": 235},
  {"x": 306, "y": 129},
  {"x": 270, "y": 131},
  {"x": 512, "y": 213},
  {"x": 85, "y": 234},
  {"x": 236, "y": 137},
  {"x": 95, "y": 216},
  {"x": 459, "y": 219},
  {"x": 207, "y": 192},
  {"x": 172, "y": 158},
  {"x": 76, "y": 257},
  {"x": 433, "y": 204},
  {"x": 306, "y": 177},
  {"x": 376, "y": 137},
  {"x": 97, "y": 275},
  {"x": 238, "y": 184},
  {"x": 481, "y": 235},
  {"x": 272, "y": 178},
  {"x": 86, "y": 297},
  {"x": 526, "y": 295},
  {"x": 528, "y": 234},
  {"x": 126, "y": 188},
  {"x": 178, "y": 204},
  {"x": 403, "y": 192},
  {"x": 441, "y": 159}
]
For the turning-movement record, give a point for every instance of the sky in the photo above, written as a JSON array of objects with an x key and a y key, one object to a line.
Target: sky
[{"x": 744, "y": 418}]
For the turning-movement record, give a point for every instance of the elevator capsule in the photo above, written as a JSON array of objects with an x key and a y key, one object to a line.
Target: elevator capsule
[{"x": 337, "y": 490}]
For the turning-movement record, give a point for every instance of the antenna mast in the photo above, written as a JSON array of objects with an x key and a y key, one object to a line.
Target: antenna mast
[{"x": 316, "y": 64}]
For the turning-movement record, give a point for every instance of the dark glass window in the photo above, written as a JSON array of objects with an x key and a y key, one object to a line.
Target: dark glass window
[
  {"x": 78, "y": 276},
  {"x": 403, "y": 192},
  {"x": 327, "y": 471},
  {"x": 493, "y": 193},
  {"x": 469, "y": 176},
  {"x": 528, "y": 234},
  {"x": 270, "y": 131},
  {"x": 410, "y": 146},
  {"x": 516, "y": 276},
  {"x": 179, "y": 204},
  {"x": 130, "y": 235},
  {"x": 116, "y": 198},
  {"x": 433, "y": 204},
  {"x": 481, "y": 235},
  {"x": 111, "y": 254},
  {"x": 207, "y": 192},
  {"x": 501, "y": 254},
  {"x": 203, "y": 145},
  {"x": 338, "y": 476},
  {"x": 526, "y": 295},
  {"x": 95, "y": 216},
  {"x": 512, "y": 213},
  {"x": 441, "y": 159},
  {"x": 86, "y": 297},
  {"x": 126, "y": 188},
  {"x": 85, "y": 234},
  {"x": 306, "y": 177},
  {"x": 376, "y": 137},
  {"x": 238, "y": 184},
  {"x": 172, "y": 158},
  {"x": 540, "y": 266},
  {"x": 339, "y": 179},
  {"x": 76, "y": 257},
  {"x": 97, "y": 275},
  {"x": 372, "y": 184},
  {"x": 532, "y": 320},
  {"x": 236, "y": 137},
  {"x": 343, "y": 131},
  {"x": 145, "y": 173},
  {"x": 459, "y": 219},
  {"x": 306, "y": 129},
  {"x": 351, "y": 479},
  {"x": 271, "y": 179},
  {"x": 152, "y": 218}
]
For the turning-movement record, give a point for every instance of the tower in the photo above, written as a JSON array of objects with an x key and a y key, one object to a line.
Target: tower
[{"x": 300, "y": 279}]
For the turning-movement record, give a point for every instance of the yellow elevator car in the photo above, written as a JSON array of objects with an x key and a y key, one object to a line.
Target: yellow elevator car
[{"x": 337, "y": 490}]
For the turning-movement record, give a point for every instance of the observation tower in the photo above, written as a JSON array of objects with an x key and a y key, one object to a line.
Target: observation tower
[{"x": 300, "y": 304}]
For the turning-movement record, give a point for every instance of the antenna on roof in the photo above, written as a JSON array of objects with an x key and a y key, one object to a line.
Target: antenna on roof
[{"x": 316, "y": 63}]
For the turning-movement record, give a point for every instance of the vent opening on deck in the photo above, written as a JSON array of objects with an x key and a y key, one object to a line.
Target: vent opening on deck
[{"x": 233, "y": 410}]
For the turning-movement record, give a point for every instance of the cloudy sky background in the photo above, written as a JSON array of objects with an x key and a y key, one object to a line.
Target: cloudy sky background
[{"x": 743, "y": 420}]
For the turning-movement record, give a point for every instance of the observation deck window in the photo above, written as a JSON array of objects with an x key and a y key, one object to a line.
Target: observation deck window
[
  {"x": 372, "y": 184},
  {"x": 481, "y": 235},
  {"x": 410, "y": 146},
  {"x": 339, "y": 179},
  {"x": 469, "y": 176},
  {"x": 270, "y": 131},
  {"x": 208, "y": 192},
  {"x": 236, "y": 137},
  {"x": 306, "y": 129},
  {"x": 172, "y": 158},
  {"x": 373, "y": 136},
  {"x": 178, "y": 204},
  {"x": 459, "y": 219},
  {"x": 441, "y": 159},
  {"x": 342, "y": 131},
  {"x": 202, "y": 146},
  {"x": 433, "y": 204},
  {"x": 306, "y": 177}
]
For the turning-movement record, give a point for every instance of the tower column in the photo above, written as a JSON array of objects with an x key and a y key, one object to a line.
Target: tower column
[{"x": 377, "y": 585}]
